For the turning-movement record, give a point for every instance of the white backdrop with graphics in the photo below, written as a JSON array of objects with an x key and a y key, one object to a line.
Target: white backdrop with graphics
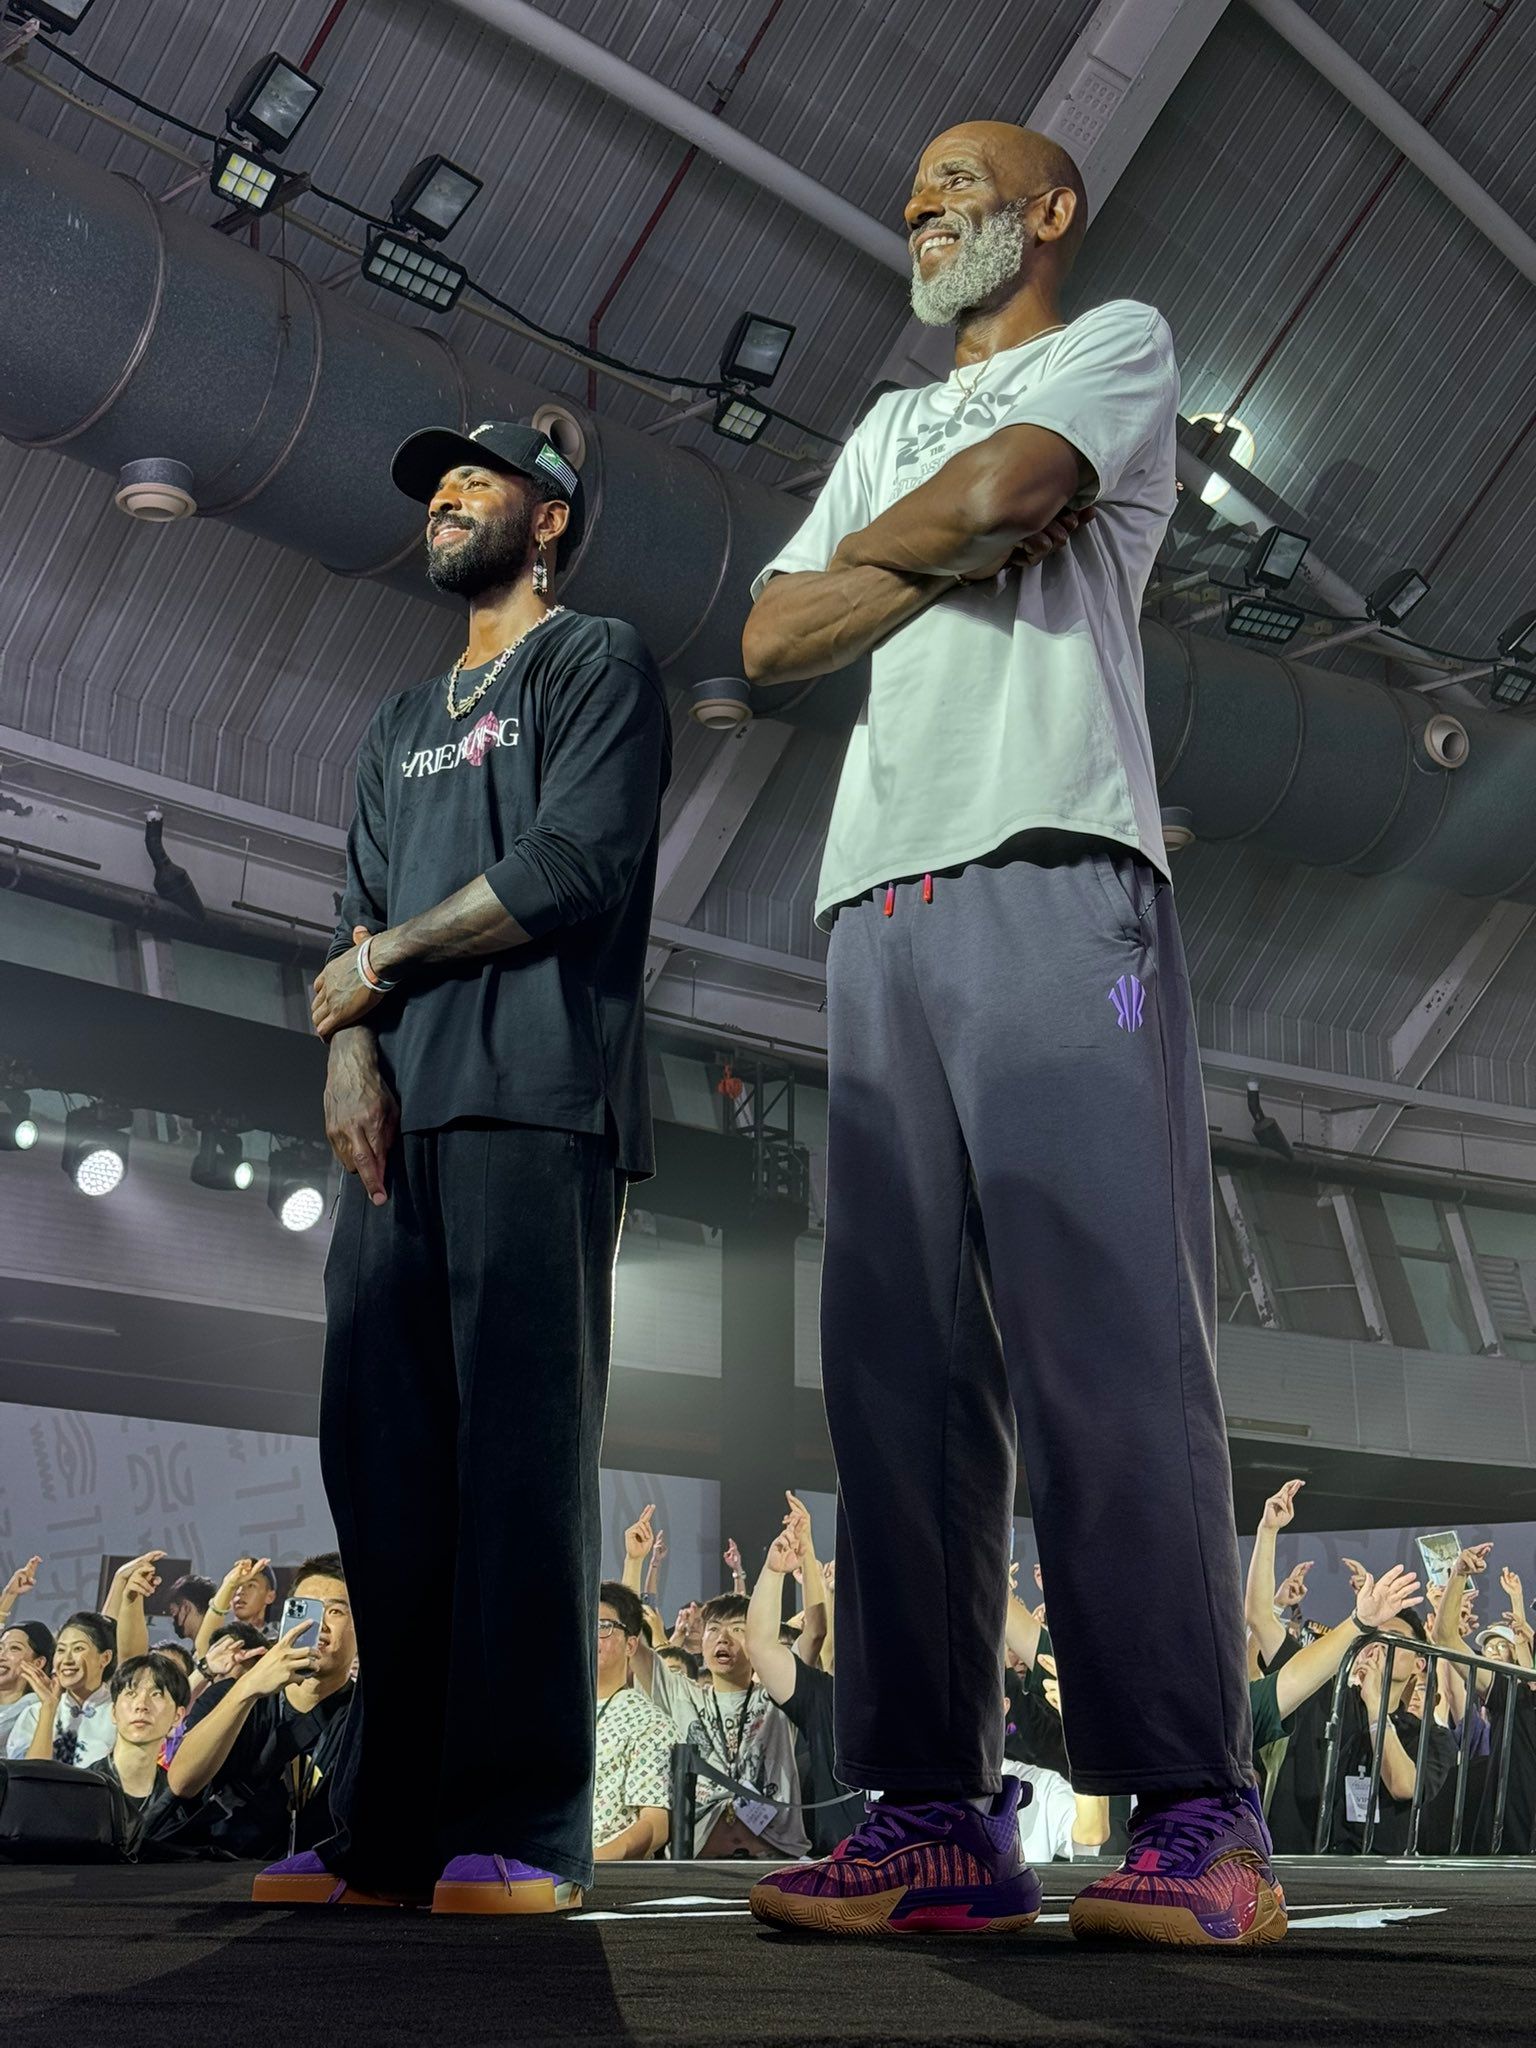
[{"x": 76, "y": 1487}]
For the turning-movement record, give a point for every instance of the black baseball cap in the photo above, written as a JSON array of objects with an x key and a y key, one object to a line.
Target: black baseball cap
[{"x": 423, "y": 459}]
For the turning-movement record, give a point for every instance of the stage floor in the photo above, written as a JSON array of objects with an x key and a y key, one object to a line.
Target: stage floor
[{"x": 1377, "y": 1951}]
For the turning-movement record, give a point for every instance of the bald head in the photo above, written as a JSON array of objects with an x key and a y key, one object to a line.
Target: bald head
[{"x": 993, "y": 207}]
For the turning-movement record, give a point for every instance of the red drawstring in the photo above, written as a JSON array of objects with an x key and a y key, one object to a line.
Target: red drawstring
[
  {"x": 927, "y": 888},
  {"x": 890, "y": 899}
]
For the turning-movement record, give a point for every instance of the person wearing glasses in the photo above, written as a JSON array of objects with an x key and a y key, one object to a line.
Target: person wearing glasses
[{"x": 632, "y": 1789}]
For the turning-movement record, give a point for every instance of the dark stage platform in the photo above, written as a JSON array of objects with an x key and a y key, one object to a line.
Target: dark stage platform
[{"x": 1438, "y": 1952}]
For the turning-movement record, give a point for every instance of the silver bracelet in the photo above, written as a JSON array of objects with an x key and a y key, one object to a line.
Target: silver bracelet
[{"x": 376, "y": 985}]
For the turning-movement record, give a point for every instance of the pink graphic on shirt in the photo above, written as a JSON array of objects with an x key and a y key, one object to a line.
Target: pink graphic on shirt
[{"x": 482, "y": 736}]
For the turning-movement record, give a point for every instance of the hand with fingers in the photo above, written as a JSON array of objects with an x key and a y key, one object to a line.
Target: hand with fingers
[
  {"x": 1280, "y": 1508},
  {"x": 640, "y": 1536},
  {"x": 284, "y": 1664},
  {"x": 138, "y": 1578},
  {"x": 1513, "y": 1590},
  {"x": 733, "y": 1562},
  {"x": 799, "y": 1519},
  {"x": 21, "y": 1582},
  {"x": 1472, "y": 1561},
  {"x": 1377, "y": 1601},
  {"x": 1293, "y": 1590},
  {"x": 242, "y": 1569},
  {"x": 362, "y": 1117},
  {"x": 784, "y": 1552},
  {"x": 1050, "y": 1683},
  {"x": 1357, "y": 1572},
  {"x": 339, "y": 995},
  {"x": 49, "y": 1689}
]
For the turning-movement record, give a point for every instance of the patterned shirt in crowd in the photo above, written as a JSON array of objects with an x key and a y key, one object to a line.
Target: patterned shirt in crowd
[
  {"x": 81, "y": 1735},
  {"x": 634, "y": 1763},
  {"x": 745, "y": 1737}
]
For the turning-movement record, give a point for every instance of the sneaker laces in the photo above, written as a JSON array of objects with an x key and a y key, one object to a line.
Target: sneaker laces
[
  {"x": 1179, "y": 1832},
  {"x": 886, "y": 1827}
]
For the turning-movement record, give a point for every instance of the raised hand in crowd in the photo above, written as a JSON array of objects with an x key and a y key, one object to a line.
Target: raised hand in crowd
[
  {"x": 1472, "y": 1562},
  {"x": 1259, "y": 1594},
  {"x": 639, "y": 1541},
  {"x": 21, "y": 1583},
  {"x": 658, "y": 1559},
  {"x": 132, "y": 1585},
  {"x": 1314, "y": 1664},
  {"x": 284, "y": 1664},
  {"x": 1280, "y": 1508},
  {"x": 1356, "y": 1571},
  {"x": 688, "y": 1629},
  {"x": 1292, "y": 1591},
  {"x": 734, "y": 1566},
  {"x": 243, "y": 1569},
  {"x": 1512, "y": 1589}
]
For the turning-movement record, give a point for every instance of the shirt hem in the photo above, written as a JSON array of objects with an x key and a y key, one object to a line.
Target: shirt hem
[{"x": 902, "y": 870}]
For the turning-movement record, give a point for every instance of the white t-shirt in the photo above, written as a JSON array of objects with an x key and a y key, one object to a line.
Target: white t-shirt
[
  {"x": 1047, "y": 1821},
  {"x": 634, "y": 1762},
  {"x": 1017, "y": 705},
  {"x": 81, "y": 1735},
  {"x": 746, "y": 1737}
]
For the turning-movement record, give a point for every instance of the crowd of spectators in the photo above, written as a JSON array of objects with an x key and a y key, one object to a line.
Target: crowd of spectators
[{"x": 222, "y": 1741}]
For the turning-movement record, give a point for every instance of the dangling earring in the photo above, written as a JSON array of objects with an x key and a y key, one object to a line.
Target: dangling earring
[{"x": 540, "y": 575}]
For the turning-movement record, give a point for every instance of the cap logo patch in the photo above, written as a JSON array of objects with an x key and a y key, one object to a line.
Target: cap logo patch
[{"x": 562, "y": 472}]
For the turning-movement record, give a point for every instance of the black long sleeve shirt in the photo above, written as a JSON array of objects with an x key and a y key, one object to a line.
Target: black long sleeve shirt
[{"x": 551, "y": 788}]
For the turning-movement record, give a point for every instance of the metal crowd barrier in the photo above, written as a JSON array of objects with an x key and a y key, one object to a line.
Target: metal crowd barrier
[
  {"x": 1436, "y": 1653},
  {"x": 688, "y": 1767}
]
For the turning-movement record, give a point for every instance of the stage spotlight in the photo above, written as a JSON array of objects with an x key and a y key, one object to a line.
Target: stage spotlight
[
  {"x": 413, "y": 272},
  {"x": 1518, "y": 639},
  {"x": 1232, "y": 440},
  {"x": 755, "y": 351},
  {"x": 271, "y": 103},
  {"x": 435, "y": 197},
  {"x": 96, "y": 1140},
  {"x": 1276, "y": 557},
  {"x": 244, "y": 180},
  {"x": 296, "y": 1182},
  {"x": 18, "y": 1126},
  {"x": 221, "y": 1163},
  {"x": 55, "y": 14},
  {"x": 738, "y": 419},
  {"x": 1395, "y": 597},
  {"x": 1512, "y": 687},
  {"x": 1264, "y": 618},
  {"x": 172, "y": 882}
]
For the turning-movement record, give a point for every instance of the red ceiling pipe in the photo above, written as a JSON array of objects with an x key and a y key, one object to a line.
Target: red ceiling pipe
[
  {"x": 1330, "y": 262},
  {"x": 594, "y": 325}
]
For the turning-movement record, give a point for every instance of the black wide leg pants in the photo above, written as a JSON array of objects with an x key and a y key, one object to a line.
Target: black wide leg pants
[
  {"x": 1020, "y": 1232},
  {"x": 466, "y": 1369}
]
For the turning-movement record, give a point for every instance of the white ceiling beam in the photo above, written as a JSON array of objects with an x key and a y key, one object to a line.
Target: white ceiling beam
[
  {"x": 1437, "y": 1016},
  {"x": 1109, "y": 89},
  {"x": 706, "y": 825}
]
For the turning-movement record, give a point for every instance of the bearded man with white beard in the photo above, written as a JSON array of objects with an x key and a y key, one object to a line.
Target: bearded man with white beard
[{"x": 1019, "y": 1230}]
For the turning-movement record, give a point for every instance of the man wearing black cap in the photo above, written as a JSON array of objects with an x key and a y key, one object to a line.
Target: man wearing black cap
[{"x": 486, "y": 1092}]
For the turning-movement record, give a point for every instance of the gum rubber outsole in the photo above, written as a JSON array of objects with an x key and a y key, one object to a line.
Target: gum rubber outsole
[
  {"x": 1174, "y": 1926},
  {"x": 320, "y": 1891},
  {"x": 870, "y": 1914},
  {"x": 526, "y": 1897}
]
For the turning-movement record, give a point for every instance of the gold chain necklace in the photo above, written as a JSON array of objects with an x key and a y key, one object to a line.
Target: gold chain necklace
[
  {"x": 461, "y": 708},
  {"x": 969, "y": 390}
]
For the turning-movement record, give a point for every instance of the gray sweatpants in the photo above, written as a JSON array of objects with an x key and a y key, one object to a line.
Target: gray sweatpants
[{"x": 1019, "y": 1227}]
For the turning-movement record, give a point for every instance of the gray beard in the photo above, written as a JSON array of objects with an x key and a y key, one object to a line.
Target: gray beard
[{"x": 985, "y": 259}]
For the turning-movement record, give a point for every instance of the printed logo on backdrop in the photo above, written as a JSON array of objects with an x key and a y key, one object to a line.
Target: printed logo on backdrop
[
  {"x": 487, "y": 733},
  {"x": 66, "y": 1465}
]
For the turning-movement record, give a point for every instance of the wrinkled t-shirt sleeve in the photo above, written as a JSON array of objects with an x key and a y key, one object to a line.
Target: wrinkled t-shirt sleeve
[
  {"x": 365, "y": 898},
  {"x": 845, "y": 505},
  {"x": 1112, "y": 386}
]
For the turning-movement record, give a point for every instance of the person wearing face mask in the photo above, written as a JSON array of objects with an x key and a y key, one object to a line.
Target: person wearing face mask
[
  {"x": 148, "y": 1693},
  {"x": 21, "y": 1643},
  {"x": 69, "y": 1717}
]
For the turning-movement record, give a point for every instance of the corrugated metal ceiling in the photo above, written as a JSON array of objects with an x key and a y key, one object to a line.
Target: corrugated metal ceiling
[{"x": 219, "y": 658}]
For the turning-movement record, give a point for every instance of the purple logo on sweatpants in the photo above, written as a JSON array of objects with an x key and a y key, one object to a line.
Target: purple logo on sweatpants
[{"x": 1128, "y": 996}]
